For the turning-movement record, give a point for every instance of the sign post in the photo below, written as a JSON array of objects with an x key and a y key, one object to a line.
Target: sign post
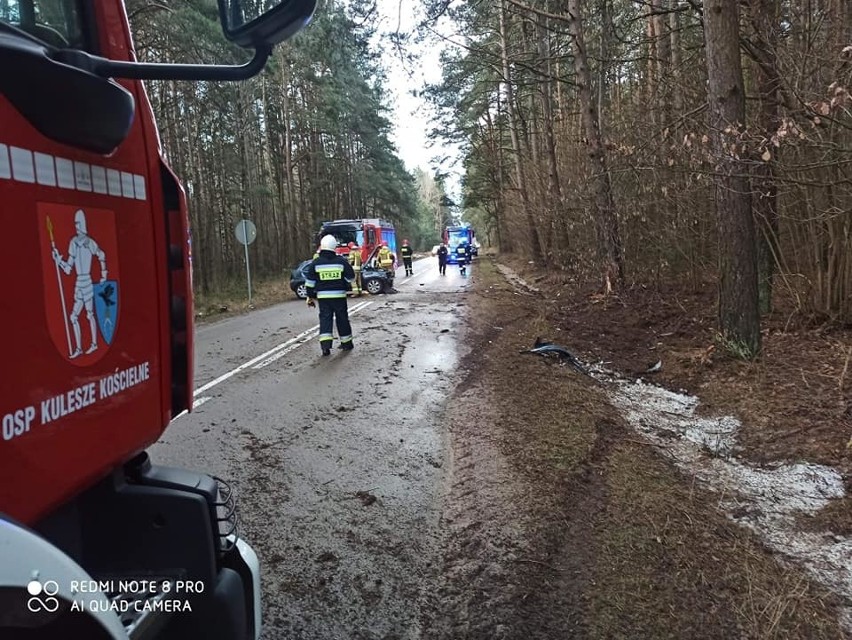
[{"x": 246, "y": 233}]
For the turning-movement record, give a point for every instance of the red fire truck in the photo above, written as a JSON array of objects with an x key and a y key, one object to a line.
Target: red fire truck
[
  {"x": 367, "y": 233},
  {"x": 96, "y": 541}
]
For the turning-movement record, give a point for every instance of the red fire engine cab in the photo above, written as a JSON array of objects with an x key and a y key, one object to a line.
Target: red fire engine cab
[
  {"x": 367, "y": 233},
  {"x": 97, "y": 541}
]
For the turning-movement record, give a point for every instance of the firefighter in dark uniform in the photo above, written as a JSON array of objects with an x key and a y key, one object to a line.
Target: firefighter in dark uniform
[
  {"x": 462, "y": 253},
  {"x": 328, "y": 279},
  {"x": 407, "y": 254}
]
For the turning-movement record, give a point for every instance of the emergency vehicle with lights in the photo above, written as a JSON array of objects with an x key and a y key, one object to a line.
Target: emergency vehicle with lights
[{"x": 453, "y": 236}]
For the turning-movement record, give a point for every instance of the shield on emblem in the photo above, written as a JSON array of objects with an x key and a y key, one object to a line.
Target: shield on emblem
[{"x": 106, "y": 308}]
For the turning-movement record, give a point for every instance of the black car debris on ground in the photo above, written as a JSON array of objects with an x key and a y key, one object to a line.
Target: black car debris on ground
[{"x": 373, "y": 280}]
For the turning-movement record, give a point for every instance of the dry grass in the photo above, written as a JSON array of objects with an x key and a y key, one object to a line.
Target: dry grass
[
  {"x": 233, "y": 299},
  {"x": 836, "y": 518},
  {"x": 554, "y": 438},
  {"x": 794, "y": 402},
  {"x": 623, "y": 540},
  {"x": 674, "y": 567}
]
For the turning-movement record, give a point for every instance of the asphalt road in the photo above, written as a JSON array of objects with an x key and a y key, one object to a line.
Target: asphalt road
[{"x": 337, "y": 462}]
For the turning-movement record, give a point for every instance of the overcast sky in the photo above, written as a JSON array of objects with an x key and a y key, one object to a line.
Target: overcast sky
[{"x": 411, "y": 119}]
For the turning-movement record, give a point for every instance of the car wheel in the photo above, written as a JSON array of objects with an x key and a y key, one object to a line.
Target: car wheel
[
  {"x": 374, "y": 286},
  {"x": 302, "y": 291}
]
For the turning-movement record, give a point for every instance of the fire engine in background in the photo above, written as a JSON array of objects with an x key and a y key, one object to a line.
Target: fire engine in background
[
  {"x": 368, "y": 234},
  {"x": 456, "y": 235},
  {"x": 95, "y": 540}
]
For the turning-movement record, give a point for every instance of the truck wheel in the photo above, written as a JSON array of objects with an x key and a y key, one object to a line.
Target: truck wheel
[
  {"x": 374, "y": 286},
  {"x": 302, "y": 291}
]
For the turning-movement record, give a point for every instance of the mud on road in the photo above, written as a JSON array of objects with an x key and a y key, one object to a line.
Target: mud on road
[
  {"x": 337, "y": 462},
  {"x": 344, "y": 487},
  {"x": 437, "y": 483}
]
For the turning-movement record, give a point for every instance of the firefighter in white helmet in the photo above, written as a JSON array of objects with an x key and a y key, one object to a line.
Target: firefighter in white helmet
[{"x": 328, "y": 279}]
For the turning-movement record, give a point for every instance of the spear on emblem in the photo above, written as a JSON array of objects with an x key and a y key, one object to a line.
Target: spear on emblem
[{"x": 54, "y": 253}]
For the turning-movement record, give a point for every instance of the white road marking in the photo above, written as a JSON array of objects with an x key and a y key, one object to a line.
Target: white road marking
[
  {"x": 284, "y": 352},
  {"x": 195, "y": 405},
  {"x": 246, "y": 365},
  {"x": 417, "y": 275},
  {"x": 359, "y": 307},
  {"x": 302, "y": 337}
]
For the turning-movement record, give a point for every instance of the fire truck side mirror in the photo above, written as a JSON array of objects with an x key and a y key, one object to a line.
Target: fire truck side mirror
[
  {"x": 246, "y": 24},
  {"x": 97, "y": 119},
  {"x": 38, "y": 77}
]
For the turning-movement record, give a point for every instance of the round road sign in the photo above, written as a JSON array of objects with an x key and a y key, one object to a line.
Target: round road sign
[{"x": 246, "y": 232}]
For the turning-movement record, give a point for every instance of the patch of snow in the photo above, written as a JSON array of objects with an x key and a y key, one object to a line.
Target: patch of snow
[
  {"x": 514, "y": 278},
  {"x": 768, "y": 500},
  {"x": 656, "y": 411}
]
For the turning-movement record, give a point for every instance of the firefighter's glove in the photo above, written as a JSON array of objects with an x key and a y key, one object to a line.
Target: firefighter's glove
[{"x": 312, "y": 302}]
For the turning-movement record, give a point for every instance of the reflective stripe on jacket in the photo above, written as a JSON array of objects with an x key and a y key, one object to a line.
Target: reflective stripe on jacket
[
  {"x": 385, "y": 257},
  {"x": 329, "y": 276}
]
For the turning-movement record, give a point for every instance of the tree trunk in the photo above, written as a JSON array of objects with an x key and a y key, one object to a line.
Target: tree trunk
[
  {"x": 609, "y": 238},
  {"x": 739, "y": 320},
  {"x": 535, "y": 242},
  {"x": 664, "y": 59},
  {"x": 555, "y": 208},
  {"x": 289, "y": 205},
  {"x": 677, "y": 89},
  {"x": 765, "y": 19}
]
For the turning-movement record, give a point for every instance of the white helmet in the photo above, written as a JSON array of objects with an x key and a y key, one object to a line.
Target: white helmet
[{"x": 328, "y": 243}]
